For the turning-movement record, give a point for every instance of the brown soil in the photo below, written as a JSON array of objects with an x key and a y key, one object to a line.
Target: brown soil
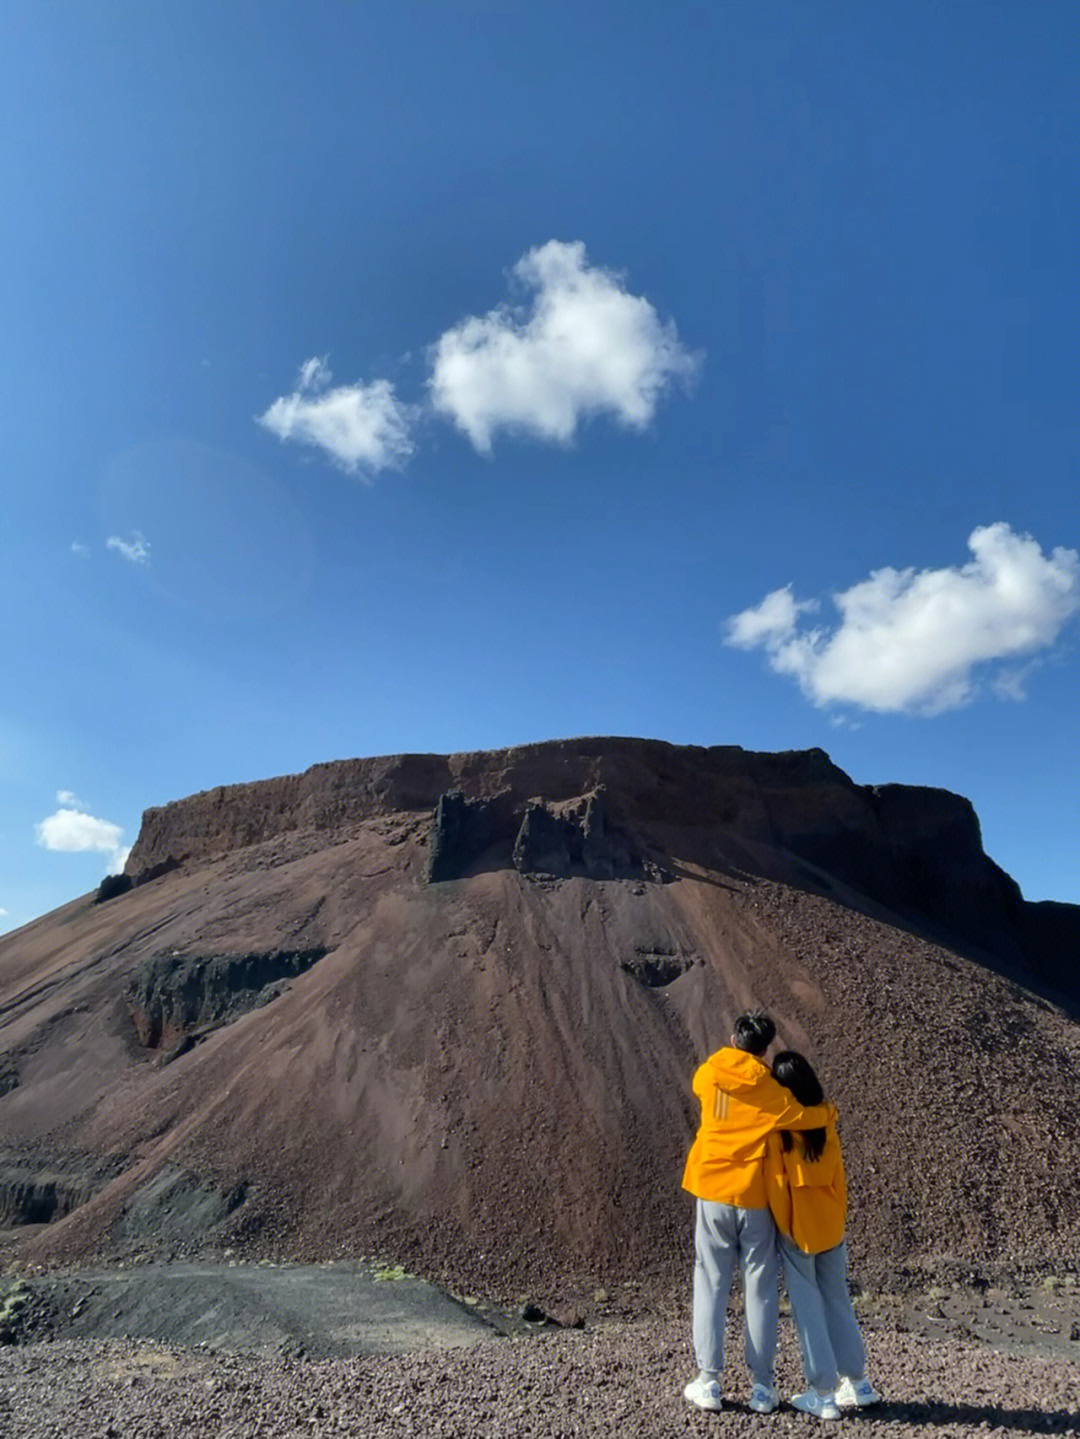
[{"x": 489, "y": 1076}]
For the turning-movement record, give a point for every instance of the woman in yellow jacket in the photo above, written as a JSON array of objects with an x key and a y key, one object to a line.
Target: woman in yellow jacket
[{"x": 807, "y": 1190}]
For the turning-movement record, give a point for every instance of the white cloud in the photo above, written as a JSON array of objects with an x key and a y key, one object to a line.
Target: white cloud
[
  {"x": 3, "y": 913},
  {"x": 78, "y": 548},
  {"x": 772, "y": 622},
  {"x": 1011, "y": 683},
  {"x": 70, "y": 830},
  {"x": 361, "y": 427},
  {"x": 314, "y": 373},
  {"x": 912, "y": 640},
  {"x": 73, "y": 832},
  {"x": 585, "y": 346},
  {"x": 136, "y": 549}
]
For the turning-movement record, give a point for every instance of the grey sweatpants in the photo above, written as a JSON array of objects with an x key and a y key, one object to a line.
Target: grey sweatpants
[
  {"x": 828, "y": 1331},
  {"x": 725, "y": 1236}
]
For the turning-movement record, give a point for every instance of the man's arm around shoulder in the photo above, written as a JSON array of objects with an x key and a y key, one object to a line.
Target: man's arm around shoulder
[{"x": 786, "y": 1112}]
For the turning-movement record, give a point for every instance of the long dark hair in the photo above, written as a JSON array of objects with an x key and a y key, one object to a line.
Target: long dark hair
[{"x": 794, "y": 1072}]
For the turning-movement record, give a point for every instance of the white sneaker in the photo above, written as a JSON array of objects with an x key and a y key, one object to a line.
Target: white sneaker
[
  {"x": 822, "y": 1406},
  {"x": 763, "y": 1398},
  {"x": 856, "y": 1394},
  {"x": 705, "y": 1393}
]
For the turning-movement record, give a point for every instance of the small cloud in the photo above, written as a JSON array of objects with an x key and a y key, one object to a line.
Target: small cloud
[
  {"x": 913, "y": 640},
  {"x": 314, "y": 374},
  {"x": 136, "y": 549},
  {"x": 360, "y": 427},
  {"x": 1011, "y": 684},
  {"x": 78, "y": 548},
  {"x": 584, "y": 346},
  {"x": 70, "y": 830},
  {"x": 772, "y": 622},
  {"x": 3, "y": 914}
]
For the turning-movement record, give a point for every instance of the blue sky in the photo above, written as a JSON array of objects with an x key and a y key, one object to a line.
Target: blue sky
[{"x": 412, "y": 376}]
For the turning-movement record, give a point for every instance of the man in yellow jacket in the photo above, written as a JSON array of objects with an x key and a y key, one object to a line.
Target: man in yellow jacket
[{"x": 741, "y": 1105}]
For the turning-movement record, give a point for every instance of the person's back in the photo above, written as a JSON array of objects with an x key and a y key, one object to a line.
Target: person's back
[
  {"x": 741, "y": 1104},
  {"x": 807, "y": 1190}
]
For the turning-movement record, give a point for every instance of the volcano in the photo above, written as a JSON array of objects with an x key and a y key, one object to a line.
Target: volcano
[{"x": 445, "y": 1009}]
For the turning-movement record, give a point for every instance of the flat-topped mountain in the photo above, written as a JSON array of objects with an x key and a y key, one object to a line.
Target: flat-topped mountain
[{"x": 445, "y": 1009}]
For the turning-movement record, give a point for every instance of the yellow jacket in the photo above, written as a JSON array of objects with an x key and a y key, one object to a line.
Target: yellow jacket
[
  {"x": 741, "y": 1105},
  {"x": 808, "y": 1201}
]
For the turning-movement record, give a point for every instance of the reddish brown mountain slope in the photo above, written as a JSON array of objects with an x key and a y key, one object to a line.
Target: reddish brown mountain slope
[{"x": 489, "y": 1071}]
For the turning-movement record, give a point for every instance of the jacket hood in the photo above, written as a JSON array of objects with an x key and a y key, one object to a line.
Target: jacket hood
[{"x": 734, "y": 1069}]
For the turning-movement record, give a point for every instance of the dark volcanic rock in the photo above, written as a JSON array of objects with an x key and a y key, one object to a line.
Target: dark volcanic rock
[
  {"x": 935, "y": 864},
  {"x": 163, "y": 867},
  {"x": 9, "y": 1074},
  {"x": 112, "y": 886},
  {"x": 176, "y": 1207},
  {"x": 172, "y": 994},
  {"x": 657, "y": 968},
  {"x": 546, "y": 843},
  {"x": 36, "y": 1189},
  {"x": 534, "y": 837},
  {"x": 605, "y": 852},
  {"x": 574, "y": 842},
  {"x": 1051, "y": 942},
  {"x": 460, "y": 832}
]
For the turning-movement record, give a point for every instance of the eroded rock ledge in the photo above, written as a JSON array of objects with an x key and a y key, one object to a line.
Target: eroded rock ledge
[
  {"x": 916, "y": 851},
  {"x": 577, "y": 838},
  {"x": 172, "y": 997},
  {"x": 39, "y": 1189}
]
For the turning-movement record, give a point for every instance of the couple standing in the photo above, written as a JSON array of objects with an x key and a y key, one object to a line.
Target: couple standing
[{"x": 768, "y": 1176}]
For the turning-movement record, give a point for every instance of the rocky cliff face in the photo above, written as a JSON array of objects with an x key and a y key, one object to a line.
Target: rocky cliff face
[{"x": 605, "y": 807}]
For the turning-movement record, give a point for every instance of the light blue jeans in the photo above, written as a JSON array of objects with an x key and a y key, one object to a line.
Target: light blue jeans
[
  {"x": 829, "y": 1335},
  {"x": 725, "y": 1236}
]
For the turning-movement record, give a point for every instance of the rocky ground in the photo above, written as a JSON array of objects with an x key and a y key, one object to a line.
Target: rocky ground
[
  {"x": 970, "y": 1355},
  {"x": 622, "y": 1378}
]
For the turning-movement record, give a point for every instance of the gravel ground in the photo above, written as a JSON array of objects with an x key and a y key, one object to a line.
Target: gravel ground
[{"x": 618, "y": 1378}]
